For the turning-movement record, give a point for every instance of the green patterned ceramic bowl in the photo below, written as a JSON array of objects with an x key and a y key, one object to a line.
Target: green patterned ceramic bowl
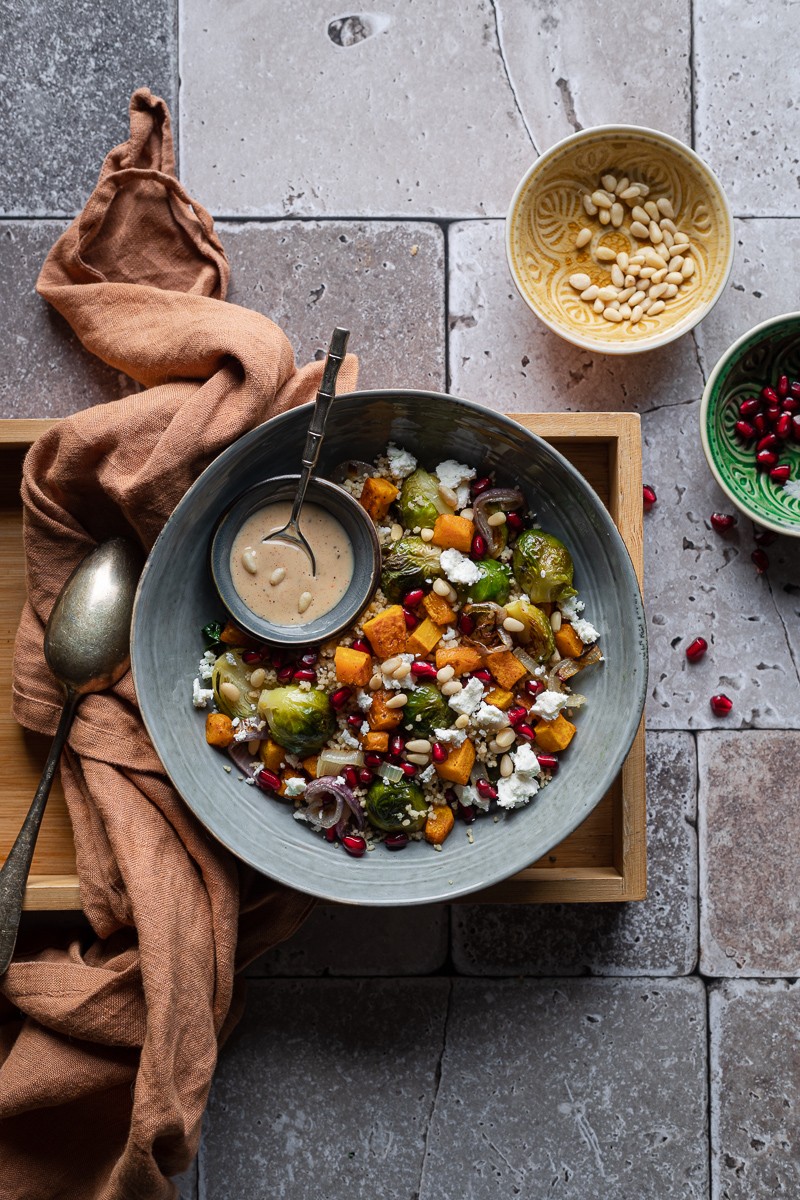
[
  {"x": 547, "y": 219},
  {"x": 757, "y": 360}
]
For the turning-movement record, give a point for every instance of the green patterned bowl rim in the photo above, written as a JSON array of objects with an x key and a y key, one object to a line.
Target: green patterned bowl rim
[
  {"x": 772, "y": 347},
  {"x": 656, "y": 135}
]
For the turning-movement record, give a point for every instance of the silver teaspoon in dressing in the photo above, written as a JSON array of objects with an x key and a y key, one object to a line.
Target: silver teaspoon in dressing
[{"x": 87, "y": 647}]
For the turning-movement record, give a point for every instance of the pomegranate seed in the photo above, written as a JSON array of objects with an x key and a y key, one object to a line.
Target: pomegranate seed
[
  {"x": 395, "y": 841},
  {"x": 516, "y": 714},
  {"x": 721, "y": 705},
  {"x": 372, "y": 759},
  {"x": 465, "y": 813},
  {"x": 548, "y": 762},
  {"x": 794, "y": 388},
  {"x": 438, "y": 752},
  {"x": 649, "y": 497},
  {"x": 413, "y": 598},
  {"x": 480, "y": 485},
  {"x": 309, "y": 659},
  {"x": 769, "y": 442},
  {"x": 478, "y": 546},
  {"x": 780, "y": 474},
  {"x": 485, "y": 789},
  {"x": 749, "y": 407},
  {"x": 277, "y": 659},
  {"x": 722, "y": 522},
  {"x": 514, "y": 522},
  {"x": 772, "y": 412},
  {"x": 761, "y": 560},
  {"x": 766, "y": 459},
  {"x": 330, "y": 834},
  {"x": 783, "y": 426},
  {"x": 355, "y": 721},
  {"x": 423, "y": 670},
  {"x": 365, "y": 777},
  {"x": 525, "y": 731},
  {"x": 285, "y": 674},
  {"x": 769, "y": 395},
  {"x": 534, "y": 686},
  {"x": 340, "y": 697},
  {"x": 354, "y": 844},
  {"x": 351, "y": 777},
  {"x": 411, "y": 621},
  {"x": 252, "y": 656},
  {"x": 696, "y": 649},
  {"x": 305, "y": 675},
  {"x": 483, "y": 674},
  {"x": 408, "y": 769},
  {"x": 759, "y": 424},
  {"x": 746, "y": 430},
  {"x": 796, "y": 427},
  {"x": 268, "y": 781},
  {"x": 466, "y": 624},
  {"x": 791, "y": 404},
  {"x": 783, "y": 386},
  {"x": 764, "y": 537},
  {"x": 361, "y": 645},
  {"x": 397, "y": 744}
]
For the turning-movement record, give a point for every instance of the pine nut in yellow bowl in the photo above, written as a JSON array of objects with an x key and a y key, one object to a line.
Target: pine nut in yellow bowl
[{"x": 620, "y": 239}]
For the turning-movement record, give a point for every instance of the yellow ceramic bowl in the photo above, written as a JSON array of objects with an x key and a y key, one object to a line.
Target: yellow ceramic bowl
[{"x": 547, "y": 214}]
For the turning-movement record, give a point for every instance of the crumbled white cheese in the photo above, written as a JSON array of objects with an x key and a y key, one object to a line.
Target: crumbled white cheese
[
  {"x": 364, "y": 727},
  {"x": 468, "y": 796},
  {"x": 450, "y": 634},
  {"x": 401, "y": 463},
  {"x": 458, "y": 568},
  {"x": 490, "y": 717},
  {"x": 294, "y": 787},
  {"x": 408, "y": 684},
  {"x": 428, "y": 774},
  {"x": 516, "y": 791},
  {"x": 201, "y": 696},
  {"x": 347, "y": 738},
  {"x": 450, "y": 737},
  {"x": 571, "y": 608},
  {"x": 456, "y": 476},
  {"x": 364, "y": 700},
  {"x": 468, "y": 699},
  {"x": 549, "y": 704},
  {"x": 525, "y": 761},
  {"x": 205, "y": 668},
  {"x": 585, "y": 631}
]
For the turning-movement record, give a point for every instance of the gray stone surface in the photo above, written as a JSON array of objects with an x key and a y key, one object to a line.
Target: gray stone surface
[
  {"x": 325, "y": 1090},
  {"x": 755, "y": 1089},
  {"x": 188, "y": 1183},
  {"x": 68, "y": 70},
  {"x": 656, "y": 936},
  {"x": 383, "y": 281},
  {"x": 44, "y": 370},
  {"x": 571, "y": 1088},
  {"x": 404, "y": 110},
  {"x": 501, "y": 354},
  {"x": 746, "y": 106},
  {"x": 749, "y": 835},
  {"x": 341, "y": 940}
]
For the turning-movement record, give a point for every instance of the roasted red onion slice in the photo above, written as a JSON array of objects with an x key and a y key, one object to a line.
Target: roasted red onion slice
[
  {"x": 244, "y": 760},
  {"x": 325, "y": 799},
  {"x": 508, "y": 499}
]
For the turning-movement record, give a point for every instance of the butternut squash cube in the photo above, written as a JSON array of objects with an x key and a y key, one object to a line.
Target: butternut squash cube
[
  {"x": 352, "y": 666},
  {"x": 232, "y": 635},
  {"x": 272, "y": 755},
  {"x": 379, "y": 716},
  {"x": 554, "y": 735},
  {"x": 506, "y": 668},
  {"x": 387, "y": 632},
  {"x": 438, "y": 609},
  {"x": 422, "y": 639},
  {"x": 568, "y": 643},
  {"x": 439, "y": 824},
  {"x": 376, "y": 496},
  {"x": 310, "y": 765},
  {"x": 219, "y": 730},
  {"x": 500, "y": 698},
  {"x": 286, "y": 775},
  {"x": 458, "y": 764},
  {"x": 462, "y": 659},
  {"x": 452, "y": 532},
  {"x": 375, "y": 740}
]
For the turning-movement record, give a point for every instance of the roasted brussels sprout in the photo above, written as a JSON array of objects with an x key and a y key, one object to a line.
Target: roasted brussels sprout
[
  {"x": 396, "y": 807},
  {"x": 231, "y": 683},
  {"x": 420, "y": 502},
  {"x": 537, "y": 636},
  {"x": 426, "y": 710},
  {"x": 543, "y": 567},
  {"x": 493, "y": 584},
  {"x": 300, "y": 721},
  {"x": 487, "y": 632},
  {"x": 410, "y": 564}
]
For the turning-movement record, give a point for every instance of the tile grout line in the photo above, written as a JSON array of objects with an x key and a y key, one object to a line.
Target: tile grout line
[
  {"x": 437, "y": 1087},
  {"x": 692, "y": 78},
  {"x": 356, "y": 218}
]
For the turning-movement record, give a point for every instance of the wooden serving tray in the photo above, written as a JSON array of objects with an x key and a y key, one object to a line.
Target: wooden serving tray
[{"x": 604, "y": 859}]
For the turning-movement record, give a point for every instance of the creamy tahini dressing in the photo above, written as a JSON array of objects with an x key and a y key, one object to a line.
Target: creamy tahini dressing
[{"x": 274, "y": 579}]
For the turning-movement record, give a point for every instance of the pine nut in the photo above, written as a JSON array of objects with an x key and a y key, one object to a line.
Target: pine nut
[
  {"x": 669, "y": 225},
  {"x": 467, "y": 514},
  {"x": 512, "y": 625},
  {"x": 419, "y": 760},
  {"x": 625, "y": 295},
  {"x": 230, "y": 692},
  {"x": 656, "y": 235},
  {"x": 656, "y": 260},
  {"x": 375, "y": 683},
  {"x": 668, "y": 238},
  {"x": 598, "y": 306},
  {"x": 402, "y": 671},
  {"x": 637, "y": 260},
  {"x": 658, "y": 276},
  {"x": 644, "y": 189},
  {"x": 617, "y": 214},
  {"x": 590, "y": 209},
  {"x": 441, "y": 587},
  {"x": 426, "y": 535},
  {"x": 258, "y": 677},
  {"x": 419, "y": 746},
  {"x": 604, "y": 216},
  {"x": 304, "y": 602},
  {"x": 639, "y": 230},
  {"x": 607, "y": 293},
  {"x": 448, "y": 495},
  {"x": 398, "y": 701},
  {"x": 656, "y": 308},
  {"x": 396, "y": 532},
  {"x": 605, "y": 254},
  {"x": 657, "y": 291},
  {"x": 452, "y": 687},
  {"x": 505, "y": 738},
  {"x": 637, "y": 297},
  {"x": 639, "y": 214},
  {"x": 622, "y": 185},
  {"x": 622, "y": 260},
  {"x": 580, "y": 281},
  {"x": 647, "y": 304},
  {"x": 651, "y": 208},
  {"x": 278, "y": 576},
  {"x": 681, "y": 236},
  {"x": 630, "y": 280},
  {"x": 601, "y": 199},
  {"x": 672, "y": 290},
  {"x": 555, "y": 620},
  {"x": 462, "y": 721},
  {"x": 609, "y": 182},
  {"x": 589, "y": 294},
  {"x": 687, "y": 270},
  {"x": 617, "y": 276},
  {"x": 674, "y": 277},
  {"x": 612, "y": 314},
  {"x": 664, "y": 207},
  {"x": 506, "y": 767},
  {"x": 680, "y": 247},
  {"x": 625, "y": 311},
  {"x": 636, "y": 314},
  {"x": 583, "y": 237},
  {"x": 630, "y": 194},
  {"x": 647, "y": 272},
  {"x": 496, "y": 519},
  {"x": 253, "y": 746},
  {"x": 249, "y": 561},
  {"x": 445, "y": 674},
  {"x": 391, "y": 664},
  {"x": 676, "y": 262}
]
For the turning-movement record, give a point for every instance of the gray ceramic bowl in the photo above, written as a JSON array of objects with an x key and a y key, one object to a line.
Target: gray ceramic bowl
[{"x": 176, "y": 598}]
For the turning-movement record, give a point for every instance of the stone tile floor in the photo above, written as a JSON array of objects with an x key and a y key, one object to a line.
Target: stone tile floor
[{"x": 361, "y": 166}]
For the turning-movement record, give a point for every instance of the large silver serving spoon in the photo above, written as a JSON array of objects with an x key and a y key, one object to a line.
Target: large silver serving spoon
[
  {"x": 87, "y": 647},
  {"x": 291, "y": 531}
]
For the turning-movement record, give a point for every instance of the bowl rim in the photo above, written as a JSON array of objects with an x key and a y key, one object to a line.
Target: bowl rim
[
  {"x": 655, "y": 341},
  {"x": 719, "y": 367},
  {"x": 439, "y": 891}
]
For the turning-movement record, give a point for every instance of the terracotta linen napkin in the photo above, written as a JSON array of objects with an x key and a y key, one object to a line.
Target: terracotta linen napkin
[{"x": 107, "y": 1052}]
